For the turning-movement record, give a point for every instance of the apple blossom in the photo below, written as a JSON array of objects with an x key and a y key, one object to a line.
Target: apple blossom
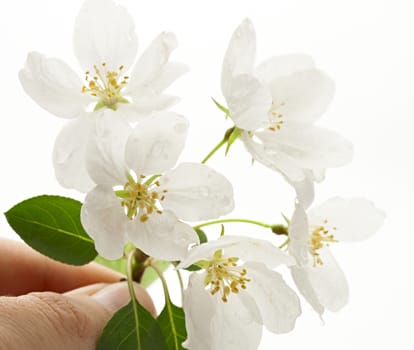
[
  {"x": 133, "y": 202},
  {"x": 274, "y": 107},
  {"x": 105, "y": 44},
  {"x": 317, "y": 274},
  {"x": 236, "y": 293}
]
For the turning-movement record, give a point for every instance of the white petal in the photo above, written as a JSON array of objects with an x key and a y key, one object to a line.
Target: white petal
[
  {"x": 327, "y": 283},
  {"x": 278, "y": 304},
  {"x": 354, "y": 218},
  {"x": 249, "y": 102},
  {"x": 104, "y": 220},
  {"x": 301, "y": 278},
  {"x": 152, "y": 72},
  {"x": 69, "y": 153},
  {"x": 280, "y": 66},
  {"x": 104, "y": 32},
  {"x": 299, "y": 236},
  {"x": 145, "y": 105},
  {"x": 308, "y": 146},
  {"x": 270, "y": 155},
  {"x": 197, "y": 192},
  {"x": 305, "y": 94},
  {"x": 53, "y": 85},
  {"x": 214, "y": 325},
  {"x": 245, "y": 248},
  {"x": 240, "y": 55},
  {"x": 305, "y": 189},
  {"x": 162, "y": 236},
  {"x": 106, "y": 149},
  {"x": 156, "y": 143}
]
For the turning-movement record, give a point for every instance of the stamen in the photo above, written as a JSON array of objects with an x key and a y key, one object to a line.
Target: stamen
[{"x": 320, "y": 238}]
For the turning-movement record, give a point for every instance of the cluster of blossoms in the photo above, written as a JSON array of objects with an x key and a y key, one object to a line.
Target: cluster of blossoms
[{"x": 121, "y": 147}]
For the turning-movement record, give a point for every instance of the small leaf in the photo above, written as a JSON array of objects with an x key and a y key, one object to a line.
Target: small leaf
[
  {"x": 232, "y": 138},
  {"x": 150, "y": 276},
  {"x": 201, "y": 235},
  {"x": 132, "y": 328},
  {"x": 172, "y": 322},
  {"x": 119, "y": 265},
  {"x": 221, "y": 107},
  {"x": 51, "y": 225}
]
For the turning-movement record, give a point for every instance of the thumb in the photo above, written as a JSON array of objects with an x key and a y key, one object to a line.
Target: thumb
[{"x": 74, "y": 320}]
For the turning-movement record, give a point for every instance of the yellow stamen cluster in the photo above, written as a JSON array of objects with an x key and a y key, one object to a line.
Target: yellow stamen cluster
[
  {"x": 224, "y": 276},
  {"x": 275, "y": 117},
  {"x": 141, "y": 199},
  {"x": 106, "y": 85},
  {"x": 319, "y": 238}
]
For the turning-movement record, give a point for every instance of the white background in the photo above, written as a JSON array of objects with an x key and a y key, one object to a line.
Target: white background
[{"x": 368, "y": 49}]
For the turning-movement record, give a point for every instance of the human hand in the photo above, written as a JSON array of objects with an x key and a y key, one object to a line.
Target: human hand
[{"x": 48, "y": 305}]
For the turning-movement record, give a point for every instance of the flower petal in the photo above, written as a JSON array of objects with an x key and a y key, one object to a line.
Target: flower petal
[
  {"x": 305, "y": 189},
  {"x": 214, "y": 325},
  {"x": 278, "y": 304},
  {"x": 162, "y": 236},
  {"x": 324, "y": 285},
  {"x": 299, "y": 236},
  {"x": 53, "y": 85},
  {"x": 240, "y": 55},
  {"x": 156, "y": 143},
  {"x": 280, "y": 66},
  {"x": 270, "y": 156},
  {"x": 308, "y": 146},
  {"x": 106, "y": 149},
  {"x": 104, "y": 220},
  {"x": 245, "y": 248},
  {"x": 104, "y": 32},
  {"x": 354, "y": 218},
  {"x": 249, "y": 102},
  {"x": 69, "y": 153},
  {"x": 152, "y": 72},
  {"x": 197, "y": 192},
  {"x": 305, "y": 95}
]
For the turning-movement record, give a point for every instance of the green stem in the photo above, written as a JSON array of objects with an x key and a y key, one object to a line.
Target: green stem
[
  {"x": 214, "y": 150},
  {"x": 134, "y": 301},
  {"x": 246, "y": 221},
  {"x": 180, "y": 280},
  {"x": 167, "y": 301}
]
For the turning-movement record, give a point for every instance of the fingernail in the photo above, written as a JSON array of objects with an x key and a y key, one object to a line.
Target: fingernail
[
  {"x": 87, "y": 290},
  {"x": 115, "y": 296}
]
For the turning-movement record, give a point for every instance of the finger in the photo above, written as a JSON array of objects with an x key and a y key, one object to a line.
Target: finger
[
  {"x": 23, "y": 270},
  {"x": 62, "y": 321}
]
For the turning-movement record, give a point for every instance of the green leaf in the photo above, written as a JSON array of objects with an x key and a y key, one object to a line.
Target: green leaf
[
  {"x": 51, "y": 225},
  {"x": 119, "y": 265},
  {"x": 132, "y": 328},
  {"x": 150, "y": 276},
  {"x": 201, "y": 235},
  {"x": 172, "y": 322},
  {"x": 221, "y": 107}
]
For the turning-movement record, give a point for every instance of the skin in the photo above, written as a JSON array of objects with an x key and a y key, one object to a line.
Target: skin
[{"x": 46, "y": 305}]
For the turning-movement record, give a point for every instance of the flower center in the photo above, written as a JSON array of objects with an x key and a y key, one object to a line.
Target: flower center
[
  {"x": 224, "y": 276},
  {"x": 141, "y": 199},
  {"x": 319, "y": 238},
  {"x": 106, "y": 86},
  {"x": 276, "y": 116}
]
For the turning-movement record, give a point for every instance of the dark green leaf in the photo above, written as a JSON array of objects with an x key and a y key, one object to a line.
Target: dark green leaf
[
  {"x": 201, "y": 235},
  {"x": 51, "y": 225},
  {"x": 123, "y": 333},
  {"x": 172, "y": 322}
]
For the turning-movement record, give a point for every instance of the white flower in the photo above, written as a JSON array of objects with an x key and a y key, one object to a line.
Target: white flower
[
  {"x": 276, "y": 104},
  {"x": 130, "y": 204},
  {"x": 105, "y": 45},
  {"x": 237, "y": 292},
  {"x": 317, "y": 274}
]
